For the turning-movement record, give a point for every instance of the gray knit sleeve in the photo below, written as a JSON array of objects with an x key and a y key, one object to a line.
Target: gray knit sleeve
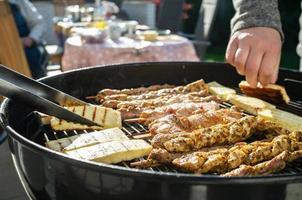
[{"x": 256, "y": 13}]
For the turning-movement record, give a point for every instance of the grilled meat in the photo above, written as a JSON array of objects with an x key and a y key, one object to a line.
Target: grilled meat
[
  {"x": 196, "y": 86},
  {"x": 133, "y": 112},
  {"x": 242, "y": 153},
  {"x": 268, "y": 167},
  {"x": 271, "y": 129},
  {"x": 179, "y": 109},
  {"x": 220, "y": 134},
  {"x": 158, "y": 101},
  {"x": 159, "y": 156},
  {"x": 143, "y": 164},
  {"x": 173, "y": 124},
  {"x": 132, "y": 91}
]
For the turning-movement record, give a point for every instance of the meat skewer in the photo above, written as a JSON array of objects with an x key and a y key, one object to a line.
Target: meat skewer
[
  {"x": 224, "y": 158},
  {"x": 220, "y": 134},
  {"x": 133, "y": 91},
  {"x": 172, "y": 124},
  {"x": 268, "y": 167},
  {"x": 159, "y": 156},
  {"x": 147, "y": 115},
  {"x": 179, "y": 109},
  {"x": 196, "y": 86},
  {"x": 242, "y": 153},
  {"x": 157, "y": 101}
]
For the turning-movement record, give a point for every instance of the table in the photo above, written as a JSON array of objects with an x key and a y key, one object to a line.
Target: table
[{"x": 126, "y": 50}]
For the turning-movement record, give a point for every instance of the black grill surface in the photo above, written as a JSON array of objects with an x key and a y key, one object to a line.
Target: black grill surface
[{"x": 42, "y": 134}]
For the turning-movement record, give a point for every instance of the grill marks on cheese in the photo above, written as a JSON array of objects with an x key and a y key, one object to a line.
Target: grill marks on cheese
[
  {"x": 86, "y": 139},
  {"x": 113, "y": 151},
  {"x": 105, "y": 117},
  {"x": 107, "y": 146}
]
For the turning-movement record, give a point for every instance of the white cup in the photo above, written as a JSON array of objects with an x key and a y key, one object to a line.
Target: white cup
[
  {"x": 115, "y": 31},
  {"x": 131, "y": 25}
]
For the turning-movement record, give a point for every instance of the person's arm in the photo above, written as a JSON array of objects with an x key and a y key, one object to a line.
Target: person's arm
[
  {"x": 256, "y": 13},
  {"x": 256, "y": 40},
  {"x": 34, "y": 20}
]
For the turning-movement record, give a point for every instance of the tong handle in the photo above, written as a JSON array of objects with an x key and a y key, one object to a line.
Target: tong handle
[
  {"x": 16, "y": 93},
  {"x": 38, "y": 88}
]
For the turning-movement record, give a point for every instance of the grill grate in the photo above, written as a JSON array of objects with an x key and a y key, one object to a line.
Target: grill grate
[
  {"x": 136, "y": 130},
  {"x": 132, "y": 130}
]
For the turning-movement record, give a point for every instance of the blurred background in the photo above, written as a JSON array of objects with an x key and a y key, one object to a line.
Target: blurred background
[
  {"x": 83, "y": 33},
  {"x": 290, "y": 13},
  {"x": 80, "y": 33}
]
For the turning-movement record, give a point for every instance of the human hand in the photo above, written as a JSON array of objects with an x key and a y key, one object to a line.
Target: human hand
[
  {"x": 255, "y": 52},
  {"x": 27, "y": 41}
]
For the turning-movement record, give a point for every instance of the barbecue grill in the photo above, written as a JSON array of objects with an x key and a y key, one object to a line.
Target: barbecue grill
[{"x": 47, "y": 174}]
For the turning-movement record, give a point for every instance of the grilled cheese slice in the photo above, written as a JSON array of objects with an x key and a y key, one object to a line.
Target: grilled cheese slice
[
  {"x": 113, "y": 152},
  {"x": 250, "y": 104},
  {"x": 220, "y": 90},
  {"x": 271, "y": 92},
  {"x": 287, "y": 120},
  {"x": 86, "y": 139},
  {"x": 105, "y": 117}
]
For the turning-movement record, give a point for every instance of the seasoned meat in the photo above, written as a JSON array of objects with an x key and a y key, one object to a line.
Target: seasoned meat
[
  {"x": 172, "y": 124},
  {"x": 220, "y": 134},
  {"x": 239, "y": 154},
  {"x": 268, "y": 167}
]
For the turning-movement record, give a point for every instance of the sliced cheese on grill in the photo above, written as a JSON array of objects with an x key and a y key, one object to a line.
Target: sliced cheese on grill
[
  {"x": 220, "y": 90},
  {"x": 250, "y": 104},
  {"x": 113, "y": 152},
  {"x": 287, "y": 120},
  {"x": 105, "y": 117},
  {"x": 86, "y": 139}
]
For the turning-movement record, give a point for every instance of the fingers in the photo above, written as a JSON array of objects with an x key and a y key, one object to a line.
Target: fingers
[
  {"x": 231, "y": 51},
  {"x": 241, "y": 56},
  {"x": 252, "y": 66},
  {"x": 268, "y": 71},
  {"x": 255, "y": 52},
  {"x": 275, "y": 74}
]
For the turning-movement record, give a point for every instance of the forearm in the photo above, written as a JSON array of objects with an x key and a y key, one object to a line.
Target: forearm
[
  {"x": 256, "y": 13},
  {"x": 34, "y": 20},
  {"x": 37, "y": 32}
]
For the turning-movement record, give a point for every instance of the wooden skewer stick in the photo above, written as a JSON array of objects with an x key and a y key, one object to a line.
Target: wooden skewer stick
[
  {"x": 91, "y": 97},
  {"x": 145, "y": 164},
  {"x": 142, "y": 136},
  {"x": 141, "y": 120}
]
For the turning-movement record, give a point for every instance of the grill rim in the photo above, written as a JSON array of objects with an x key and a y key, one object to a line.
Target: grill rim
[{"x": 139, "y": 173}]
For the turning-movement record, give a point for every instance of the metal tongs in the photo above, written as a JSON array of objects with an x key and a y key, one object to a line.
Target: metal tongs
[{"x": 39, "y": 96}]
